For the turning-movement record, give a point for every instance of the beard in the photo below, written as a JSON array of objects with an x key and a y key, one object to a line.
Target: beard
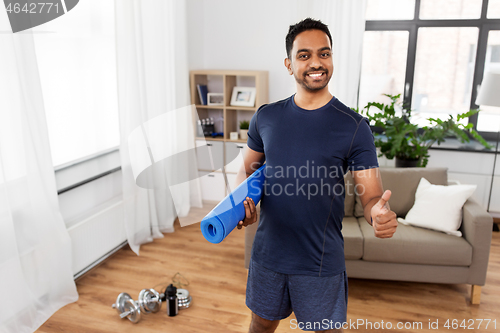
[{"x": 309, "y": 84}]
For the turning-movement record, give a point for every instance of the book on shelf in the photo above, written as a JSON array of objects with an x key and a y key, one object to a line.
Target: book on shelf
[{"x": 202, "y": 93}]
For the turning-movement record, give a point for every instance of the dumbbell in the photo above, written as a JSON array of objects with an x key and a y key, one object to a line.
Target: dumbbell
[
  {"x": 183, "y": 298},
  {"x": 127, "y": 308},
  {"x": 150, "y": 300}
]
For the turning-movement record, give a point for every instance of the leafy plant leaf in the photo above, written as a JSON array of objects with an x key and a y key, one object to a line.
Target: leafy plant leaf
[{"x": 400, "y": 138}]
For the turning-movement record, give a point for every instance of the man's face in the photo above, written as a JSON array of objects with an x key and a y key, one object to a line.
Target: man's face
[{"x": 311, "y": 60}]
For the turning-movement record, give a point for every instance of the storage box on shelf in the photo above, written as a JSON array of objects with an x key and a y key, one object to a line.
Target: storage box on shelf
[{"x": 226, "y": 120}]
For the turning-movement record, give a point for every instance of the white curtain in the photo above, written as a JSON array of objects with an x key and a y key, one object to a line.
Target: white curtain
[
  {"x": 346, "y": 21},
  {"x": 35, "y": 247},
  {"x": 153, "y": 79}
]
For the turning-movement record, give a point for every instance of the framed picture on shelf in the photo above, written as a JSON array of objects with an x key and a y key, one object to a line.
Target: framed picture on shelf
[
  {"x": 243, "y": 96},
  {"x": 215, "y": 99}
]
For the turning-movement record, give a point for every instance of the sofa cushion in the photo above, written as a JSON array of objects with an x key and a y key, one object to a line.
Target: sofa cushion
[
  {"x": 349, "y": 195},
  {"x": 438, "y": 207},
  {"x": 403, "y": 183},
  {"x": 414, "y": 245},
  {"x": 353, "y": 239}
]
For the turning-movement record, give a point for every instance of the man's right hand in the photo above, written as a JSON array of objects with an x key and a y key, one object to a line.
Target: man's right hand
[{"x": 250, "y": 213}]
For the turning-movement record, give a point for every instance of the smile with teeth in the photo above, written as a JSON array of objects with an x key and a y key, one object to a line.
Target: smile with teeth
[{"x": 315, "y": 75}]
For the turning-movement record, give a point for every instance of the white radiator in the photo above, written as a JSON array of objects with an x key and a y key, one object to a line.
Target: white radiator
[{"x": 96, "y": 236}]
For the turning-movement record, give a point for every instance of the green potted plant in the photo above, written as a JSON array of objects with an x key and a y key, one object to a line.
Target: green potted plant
[
  {"x": 408, "y": 143},
  {"x": 244, "y": 129}
]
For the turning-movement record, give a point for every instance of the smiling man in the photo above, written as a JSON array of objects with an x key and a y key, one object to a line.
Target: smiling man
[{"x": 308, "y": 142}]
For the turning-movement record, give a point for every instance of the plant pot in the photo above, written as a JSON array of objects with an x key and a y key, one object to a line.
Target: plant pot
[
  {"x": 405, "y": 163},
  {"x": 243, "y": 134}
]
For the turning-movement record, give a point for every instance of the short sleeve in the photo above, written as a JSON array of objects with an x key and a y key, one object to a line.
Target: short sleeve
[
  {"x": 254, "y": 140},
  {"x": 362, "y": 154}
]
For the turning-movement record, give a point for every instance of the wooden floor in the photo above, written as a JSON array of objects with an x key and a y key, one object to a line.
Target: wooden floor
[{"x": 217, "y": 280}]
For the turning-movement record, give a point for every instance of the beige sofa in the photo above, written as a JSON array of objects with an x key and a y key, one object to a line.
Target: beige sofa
[{"x": 412, "y": 254}]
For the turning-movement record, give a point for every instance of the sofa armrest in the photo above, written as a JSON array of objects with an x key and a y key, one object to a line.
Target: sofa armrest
[{"x": 477, "y": 230}]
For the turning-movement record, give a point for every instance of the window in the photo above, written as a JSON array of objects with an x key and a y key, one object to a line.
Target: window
[
  {"x": 489, "y": 117},
  {"x": 384, "y": 65},
  {"x": 390, "y": 9},
  {"x": 77, "y": 65},
  {"x": 449, "y": 45},
  {"x": 444, "y": 68},
  {"x": 493, "y": 9},
  {"x": 450, "y": 9}
]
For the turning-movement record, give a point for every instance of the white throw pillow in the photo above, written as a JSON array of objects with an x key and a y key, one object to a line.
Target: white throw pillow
[{"x": 438, "y": 207}]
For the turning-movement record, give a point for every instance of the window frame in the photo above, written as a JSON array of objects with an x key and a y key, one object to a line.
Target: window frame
[{"x": 412, "y": 26}]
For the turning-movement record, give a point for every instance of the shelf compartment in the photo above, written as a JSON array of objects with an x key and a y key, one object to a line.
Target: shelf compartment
[
  {"x": 205, "y": 113},
  {"x": 238, "y": 81},
  {"x": 233, "y": 118},
  {"x": 214, "y": 83}
]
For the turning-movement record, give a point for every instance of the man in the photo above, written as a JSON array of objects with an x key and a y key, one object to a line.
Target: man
[{"x": 308, "y": 141}]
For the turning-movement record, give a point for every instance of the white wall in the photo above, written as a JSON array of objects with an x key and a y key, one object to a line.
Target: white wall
[{"x": 247, "y": 35}]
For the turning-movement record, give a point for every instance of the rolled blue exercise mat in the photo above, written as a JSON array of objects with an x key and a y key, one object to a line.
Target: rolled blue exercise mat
[{"x": 231, "y": 210}]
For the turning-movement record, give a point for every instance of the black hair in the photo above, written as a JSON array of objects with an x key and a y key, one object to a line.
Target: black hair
[{"x": 306, "y": 24}]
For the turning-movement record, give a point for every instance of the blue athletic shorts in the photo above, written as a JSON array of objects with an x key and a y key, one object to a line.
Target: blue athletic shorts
[{"x": 319, "y": 303}]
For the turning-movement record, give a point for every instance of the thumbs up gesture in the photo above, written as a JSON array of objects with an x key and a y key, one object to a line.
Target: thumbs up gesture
[{"x": 384, "y": 219}]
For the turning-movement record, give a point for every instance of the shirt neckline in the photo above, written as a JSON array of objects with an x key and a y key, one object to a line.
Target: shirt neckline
[{"x": 324, "y": 107}]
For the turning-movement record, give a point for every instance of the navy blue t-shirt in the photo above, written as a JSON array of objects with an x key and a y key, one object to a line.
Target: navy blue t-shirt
[{"x": 307, "y": 153}]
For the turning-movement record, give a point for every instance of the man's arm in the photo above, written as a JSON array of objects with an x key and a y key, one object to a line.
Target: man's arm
[
  {"x": 375, "y": 202},
  {"x": 252, "y": 160}
]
